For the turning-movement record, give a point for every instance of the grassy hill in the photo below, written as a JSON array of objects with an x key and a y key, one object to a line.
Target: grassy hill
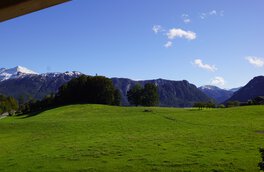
[{"x": 105, "y": 138}]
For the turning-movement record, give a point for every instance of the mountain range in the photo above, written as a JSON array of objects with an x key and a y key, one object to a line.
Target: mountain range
[
  {"x": 220, "y": 95},
  {"x": 172, "y": 93},
  {"x": 25, "y": 84},
  {"x": 21, "y": 82}
]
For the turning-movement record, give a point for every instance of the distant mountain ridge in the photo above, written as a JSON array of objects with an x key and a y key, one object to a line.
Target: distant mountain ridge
[
  {"x": 22, "y": 82},
  {"x": 29, "y": 84},
  {"x": 251, "y": 90},
  {"x": 235, "y": 89},
  {"x": 220, "y": 95},
  {"x": 172, "y": 93}
]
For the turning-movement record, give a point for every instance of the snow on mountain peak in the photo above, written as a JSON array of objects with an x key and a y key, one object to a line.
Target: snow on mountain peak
[
  {"x": 73, "y": 73},
  {"x": 209, "y": 87},
  {"x": 15, "y": 72},
  {"x": 19, "y": 72},
  {"x": 23, "y": 70}
]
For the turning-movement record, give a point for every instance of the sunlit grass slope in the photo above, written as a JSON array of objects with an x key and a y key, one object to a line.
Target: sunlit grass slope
[{"x": 105, "y": 138}]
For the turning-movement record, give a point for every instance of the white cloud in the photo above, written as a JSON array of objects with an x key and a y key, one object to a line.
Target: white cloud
[
  {"x": 176, "y": 32},
  {"x": 168, "y": 44},
  {"x": 157, "y": 28},
  {"x": 212, "y": 13},
  {"x": 256, "y": 61},
  {"x": 185, "y": 15},
  {"x": 200, "y": 64},
  {"x": 186, "y": 19},
  {"x": 203, "y": 15},
  {"x": 218, "y": 81}
]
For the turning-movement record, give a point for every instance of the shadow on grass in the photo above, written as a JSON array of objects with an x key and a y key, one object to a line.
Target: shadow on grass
[{"x": 34, "y": 113}]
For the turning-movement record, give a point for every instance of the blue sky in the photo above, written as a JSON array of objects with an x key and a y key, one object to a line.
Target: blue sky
[{"x": 207, "y": 41}]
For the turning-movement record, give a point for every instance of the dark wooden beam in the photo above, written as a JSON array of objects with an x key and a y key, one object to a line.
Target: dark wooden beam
[{"x": 14, "y": 8}]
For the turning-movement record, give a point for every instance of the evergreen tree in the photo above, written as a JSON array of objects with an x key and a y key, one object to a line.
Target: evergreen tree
[
  {"x": 134, "y": 95},
  {"x": 117, "y": 98},
  {"x": 199, "y": 105},
  {"x": 87, "y": 89},
  {"x": 147, "y": 96},
  {"x": 150, "y": 96}
]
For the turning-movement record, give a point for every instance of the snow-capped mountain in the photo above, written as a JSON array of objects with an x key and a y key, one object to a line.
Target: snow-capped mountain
[
  {"x": 22, "y": 82},
  {"x": 209, "y": 87},
  {"x": 55, "y": 74},
  {"x": 14, "y": 73},
  {"x": 20, "y": 72}
]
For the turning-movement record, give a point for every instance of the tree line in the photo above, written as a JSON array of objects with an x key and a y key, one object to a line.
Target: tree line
[
  {"x": 259, "y": 100},
  {"x": 100, "y": 90},
  {"x": 94, "y": 90},
  {"x": 81, "y": 90},
  {"x": 202, "y": 105},
  {"x": 85, "y": 90},
  {"x": 144, "y": 96},
  {"x": 8, "y": 104},
  {"x": 255, "y": 101}
]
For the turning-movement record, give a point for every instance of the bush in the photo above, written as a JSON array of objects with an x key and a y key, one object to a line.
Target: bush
[
  {"x": 8, "y": 104},
  {"x": 221, "y": 106},
  {"x": 202, "y": 105},
  {"x": 233, "y": 104}
]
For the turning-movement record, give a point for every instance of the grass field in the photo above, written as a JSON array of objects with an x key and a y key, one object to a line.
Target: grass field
[{"x": 104, "y": 138}]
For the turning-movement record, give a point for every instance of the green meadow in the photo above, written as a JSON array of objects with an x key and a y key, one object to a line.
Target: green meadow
[{"x": 106, "y": 138}]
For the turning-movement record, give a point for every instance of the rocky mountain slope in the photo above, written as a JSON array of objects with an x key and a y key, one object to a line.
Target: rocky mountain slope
[
  {"x": 253, "y": 89},
  {"x": 172, "y": 93},
  {"x": 23, "y": 83}
]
